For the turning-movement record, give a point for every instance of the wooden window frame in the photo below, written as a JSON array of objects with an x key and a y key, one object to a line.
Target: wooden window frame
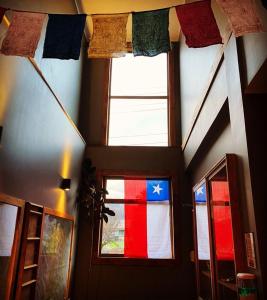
[
  {"x": 11, "y": 275},
  {"x": 171, "y": 98},
  {"x": 229, "y": 161},
  {"x": 119, "y": 259}
]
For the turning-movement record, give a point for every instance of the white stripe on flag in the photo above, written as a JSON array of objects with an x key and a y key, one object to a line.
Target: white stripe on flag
[
  {"x": 158, "y": 231},
  {"x": 202, "y": 232}
]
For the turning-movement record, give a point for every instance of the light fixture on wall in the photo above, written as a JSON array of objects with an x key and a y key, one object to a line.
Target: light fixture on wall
[{"x": 65, "y": 184}]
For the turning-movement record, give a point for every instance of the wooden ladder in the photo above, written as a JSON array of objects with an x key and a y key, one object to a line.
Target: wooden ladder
[{"x": 29, "y": 252}]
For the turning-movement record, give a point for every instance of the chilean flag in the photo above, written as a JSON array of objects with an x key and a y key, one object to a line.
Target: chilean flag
[{"x": 147, "y": 218}]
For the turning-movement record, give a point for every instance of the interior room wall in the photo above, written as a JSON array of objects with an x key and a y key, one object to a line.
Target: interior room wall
[
  {"x": 39, "y": 144},
  {"x": 135, "y": 281}
]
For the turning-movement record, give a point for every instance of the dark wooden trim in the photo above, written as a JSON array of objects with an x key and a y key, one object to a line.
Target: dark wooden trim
[
  {"x": 172, "y": 95},
  {"x": 59, "y": 214},
  {"x": 106, "y": 101},
  {"x": 134, "y": 261},
  {"x": 11, "y": 274}
]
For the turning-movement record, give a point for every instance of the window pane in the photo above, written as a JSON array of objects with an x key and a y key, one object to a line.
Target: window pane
[
  {"x": 141, "y": 227},
  {"x": 138, "y": 122},
  {"x": 202, "y": 223},
  {"x": 115, "y": 188},
  {"x": 113, "y": 231},
  {"x": 139, "y": 76}
]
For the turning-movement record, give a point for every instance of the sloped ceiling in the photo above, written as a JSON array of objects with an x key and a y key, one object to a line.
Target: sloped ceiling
[{"x": 119, "y": 6}]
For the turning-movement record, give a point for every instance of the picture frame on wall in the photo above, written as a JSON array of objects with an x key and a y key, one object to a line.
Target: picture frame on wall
[{"x": 54, "y": 256}]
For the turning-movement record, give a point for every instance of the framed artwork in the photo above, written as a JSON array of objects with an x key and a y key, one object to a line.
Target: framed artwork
[{"x": 54, "y": 256}]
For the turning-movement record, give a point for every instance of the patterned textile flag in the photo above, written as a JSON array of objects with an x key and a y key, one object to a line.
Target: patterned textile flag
[
  {"x": 151, "y": 32},
  {"x": 143, "y": 217},
  {"x": 198, "y": 24},
  {"x": 23, "y": 34},
  {"x": 242, "y": 16},
  {"x": 203, "y": 243},
  {"x": 64, "y": 36},
  {"x": 2, "y": 13},
  {"x": 109, "y": 36}
]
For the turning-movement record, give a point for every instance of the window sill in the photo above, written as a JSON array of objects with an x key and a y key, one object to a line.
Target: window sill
[{"x": 134, "y": 261}]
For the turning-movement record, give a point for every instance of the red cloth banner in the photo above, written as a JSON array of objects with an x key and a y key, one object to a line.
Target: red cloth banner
[
  {"x": 198, "y": 24},
  {"x": 2, "y": 13},
  {"x": 242, "y": 15},
  {"x": 135, "y": 236}
]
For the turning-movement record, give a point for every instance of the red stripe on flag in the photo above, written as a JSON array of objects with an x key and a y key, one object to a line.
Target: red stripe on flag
[
  {"x": 135, "y": 190},
  {"x": 222, "y": 221},
  {"x": 135, "y": 239},
  {"x": 135, "y": 236}
]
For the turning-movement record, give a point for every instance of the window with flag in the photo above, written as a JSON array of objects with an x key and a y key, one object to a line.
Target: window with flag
[
  {"x": 138, "y": 102},
  {"x": 141, "y": 227}
]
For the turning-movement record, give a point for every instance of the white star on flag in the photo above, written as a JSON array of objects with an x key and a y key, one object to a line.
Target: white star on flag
[
  {"x": 200, "y": 191},
  {"x": 157, "y": 189}
]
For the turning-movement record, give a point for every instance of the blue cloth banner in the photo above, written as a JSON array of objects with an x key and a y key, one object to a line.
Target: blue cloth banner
[{"x": 64, "y": 36}]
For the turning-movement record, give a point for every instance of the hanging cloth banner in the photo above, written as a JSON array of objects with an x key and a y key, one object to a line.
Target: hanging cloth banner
[
  {"x": 109, "y": 36},
  {"x": 264, "y": 3},
  {"x": 198, "y": 24},
  {"x": 23, "y": 34},
  {"x": 242, "y": 16},
  {"x": 64, "y": 36},
  {"x": 2, "y": 13},
  {"x": 151, "y": 32}
]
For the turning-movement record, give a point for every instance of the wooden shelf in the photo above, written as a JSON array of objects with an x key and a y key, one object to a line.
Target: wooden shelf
[
  {"x": 33, "y": 238},
  {"x": 36, "y": 212},
  {"x": 206, "y": 273},
  {"x": 28, "y": 282},
  {"x": 229, "y": 285},
  {"x": 30, "y": 267}
]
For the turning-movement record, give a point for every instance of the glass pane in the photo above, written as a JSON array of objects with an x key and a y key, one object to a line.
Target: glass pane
[
  {"x": 139, "y": 76},
  {"x": 203, "y": 242},
  {"x": 113, "y": 231},
  {"x": 138, "y": 122},
  {"x": 202, "y": 223},
  {"x": 8, "y": 217},
  {"x": 222, "y": 229},
  {"x": 115, "y": 188}
]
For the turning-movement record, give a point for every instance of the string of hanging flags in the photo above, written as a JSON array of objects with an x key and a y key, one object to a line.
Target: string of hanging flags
[{"x": 150, "y": 30}]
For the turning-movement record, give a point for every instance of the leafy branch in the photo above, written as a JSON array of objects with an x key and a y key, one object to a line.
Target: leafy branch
[{"x": 91, "y": 194}]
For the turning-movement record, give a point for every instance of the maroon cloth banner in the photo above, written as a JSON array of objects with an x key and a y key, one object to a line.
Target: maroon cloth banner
[
  {"x": 198, "y": 24},
  {"x": 2, "y": 12}
]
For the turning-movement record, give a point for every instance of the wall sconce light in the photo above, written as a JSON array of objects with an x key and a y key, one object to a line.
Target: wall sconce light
[{"x": 65, "y": 184}]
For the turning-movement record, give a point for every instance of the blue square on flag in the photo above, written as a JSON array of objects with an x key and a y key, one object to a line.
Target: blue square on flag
[
  {"x": 200, "y": 194},
  {"x": 157, "y": 190}
]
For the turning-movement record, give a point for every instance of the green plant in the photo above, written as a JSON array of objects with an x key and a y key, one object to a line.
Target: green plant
[{"x": 91, "y": 193}]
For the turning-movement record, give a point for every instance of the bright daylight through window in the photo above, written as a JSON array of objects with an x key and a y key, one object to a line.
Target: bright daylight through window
[
  {"x": 138, "y": 114},
  {"x": 141, "y": 227}
]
